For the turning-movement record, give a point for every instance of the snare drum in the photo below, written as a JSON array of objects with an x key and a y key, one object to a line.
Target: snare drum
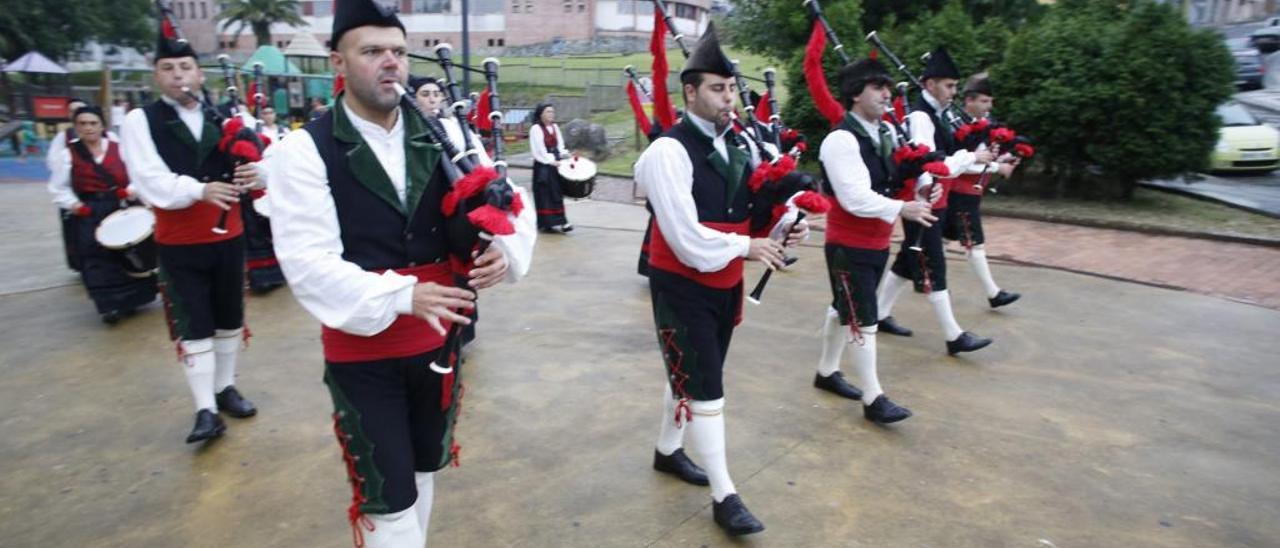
[
  {"x": 577, "y": 177},
  {"x": 129, "y": 232}
]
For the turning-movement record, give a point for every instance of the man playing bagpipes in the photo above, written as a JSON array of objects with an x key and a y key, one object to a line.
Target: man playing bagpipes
[
  {"x": 171, "y": 148},
  {"x": 964, "y": 221},
  {"x": 697, "y": 177},
  {"x": 930, "y": 126},
  {"x": 366, "y": 243},
  {"x": 862, "y": 177}
]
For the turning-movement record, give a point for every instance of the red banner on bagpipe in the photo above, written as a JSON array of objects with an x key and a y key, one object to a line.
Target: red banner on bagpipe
[
  {"x": 662, "y": 107},
  {"x": 637, "y": 108},
  {"x": 817, "y": 79}
]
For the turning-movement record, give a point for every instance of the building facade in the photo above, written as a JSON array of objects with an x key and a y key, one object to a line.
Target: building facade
[{"x": 493, "y": 24}]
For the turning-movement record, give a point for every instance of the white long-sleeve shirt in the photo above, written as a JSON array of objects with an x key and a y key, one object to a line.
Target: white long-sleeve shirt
[
  {"x": 148, "y": 173},
  {"x": 848, "y": 176},
  {"x": 665, "y": 171},
  {"x": 308, "y": 243},
  {"x": 921, "y": 132},
  {"x": 538, "y": 145}
]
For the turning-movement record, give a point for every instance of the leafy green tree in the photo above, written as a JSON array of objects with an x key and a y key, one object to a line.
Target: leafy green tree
[
  {"x": 1114, "y": 92},
  {"x": 780, "y": 29},
  {"x": 57, "y": 28},
  {"x": 258, "y": 16}
]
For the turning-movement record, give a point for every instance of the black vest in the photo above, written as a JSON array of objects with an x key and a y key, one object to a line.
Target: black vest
[
  {"x": 942, "y": 136},
  {"x": 716, "y": 199},
  {"x": 179, "y": 150},
  {"x": 376, "y": 233},
  {"x": 884, "y": 173}
]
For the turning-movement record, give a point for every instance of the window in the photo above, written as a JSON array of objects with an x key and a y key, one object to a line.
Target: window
[
  {"x": 502, "y": 42},
  {"x": 685, "y": 11},
  {"x": 182, "y": 13},
  {"x": 204, "y": 10},
  {"x": 491, "y": 42},
  {"x": 635, "y": 7},
  {"x": 431, "y": 6},
  {"x": 582, "y": 8},
  {"x": 515, "y": 6},
  {"x": 568, "y": 6},
  {"x": 191, "y": 7},
  {"x": 528, "y": 7}
]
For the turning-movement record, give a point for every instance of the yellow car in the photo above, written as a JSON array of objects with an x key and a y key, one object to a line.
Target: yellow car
[{"x": 1244, "y": 144}]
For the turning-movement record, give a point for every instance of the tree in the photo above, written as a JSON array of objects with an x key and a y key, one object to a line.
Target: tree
[
  {"x": 780, "y": 29},
  {"x": 258, "y": 16},
  {"x": 1114, "y": 92},
  {"x": 57, "y": 28},
  {"x": 974, "y": 47}
]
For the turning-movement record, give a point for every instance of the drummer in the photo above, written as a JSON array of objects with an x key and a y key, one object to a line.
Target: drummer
[
  {"x": 91, "y": 182},
  {"x": 546, "y": 142}
]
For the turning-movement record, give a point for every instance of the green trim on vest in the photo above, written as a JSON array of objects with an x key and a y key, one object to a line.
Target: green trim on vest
[
  {"x": 422, "y": 157},
  {"x": 733, "y": 170}
]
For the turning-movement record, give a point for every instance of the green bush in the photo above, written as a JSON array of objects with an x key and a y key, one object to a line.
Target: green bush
[{"x": 1114, "y": 92}]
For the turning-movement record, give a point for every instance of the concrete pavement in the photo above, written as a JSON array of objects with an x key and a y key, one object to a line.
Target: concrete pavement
[{"x": 1106, "y": 414}]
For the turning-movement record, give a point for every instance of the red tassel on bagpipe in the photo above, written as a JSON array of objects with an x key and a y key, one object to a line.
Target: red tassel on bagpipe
[
  {"x": 637, "y": 108},
  {"x": 937, "y": 169},
  {"x": 245, "y": 151},
  {"x": 813, "y": 203},
  {"x": 469, "y": 185},
  {"x": 492, "y": 220},
  {"x": 662, "y": 106},
  {"x": 1023, "y": 150},
  {"x": 817, "y": 79},
  {"x": 1002, "y": 135}
]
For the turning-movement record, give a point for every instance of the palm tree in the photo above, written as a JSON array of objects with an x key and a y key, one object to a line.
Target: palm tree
[{"x": 258, "y": 15}]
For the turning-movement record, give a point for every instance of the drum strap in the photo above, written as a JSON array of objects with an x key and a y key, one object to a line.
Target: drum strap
[{"x": 87, "y": 156}]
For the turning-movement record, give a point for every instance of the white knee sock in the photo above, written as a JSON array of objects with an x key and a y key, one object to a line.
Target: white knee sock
[
  {"x": 199, "y": 364},
  {"x": 670, "y": 436},
  {"x": 426, "y": 482},
  {"x": 706, "y": 441},
  {"x": 834, "y": 337},
  {"x": 226, "y": 346},
  {"x": 864, "y": 364},
  {"x": 890, "y": 288},
  {"x": 398, "y": 530},
  {"x": 978, "y": 262},
  {"x": 941, "y": 301}
]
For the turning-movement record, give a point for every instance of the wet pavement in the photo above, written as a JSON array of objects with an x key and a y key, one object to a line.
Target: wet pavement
[{"x": 1106, "y": 414}]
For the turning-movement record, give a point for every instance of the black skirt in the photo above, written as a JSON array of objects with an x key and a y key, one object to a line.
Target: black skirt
[
  {"x": 547, "y": 198},
  {"x": 102, "y": 270}
]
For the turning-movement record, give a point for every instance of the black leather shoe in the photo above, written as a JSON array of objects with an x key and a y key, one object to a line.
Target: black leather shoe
[
  {"x": 681, "y": 466},
  {"x": 888, "y": 325},
  {"x": 732, "y": 516},
  {"x": 232, "y": 403},
  {"x": 1002, "y": 298},
  {"x": 967, "y": 342},
  {"x": 836, "y": 384},
  {"x": 111, "y": 318},
  {"x": 208, "y": 426},
  {"x": 568, "y": 227},
  {"x": 883, "y": 411}
]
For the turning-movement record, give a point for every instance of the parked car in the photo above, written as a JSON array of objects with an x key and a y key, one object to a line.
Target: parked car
[
  {"x": 1244, "y": 144},
  {"x": 1249, "y": 66},
  {"x": 1267, "y": 38}
]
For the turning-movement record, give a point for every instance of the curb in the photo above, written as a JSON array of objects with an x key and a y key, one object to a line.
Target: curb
[
  {"x": 1212, "y": 199},
  {"x": 1135, "y": 227},
  {"x": 1258, "y": 104}
]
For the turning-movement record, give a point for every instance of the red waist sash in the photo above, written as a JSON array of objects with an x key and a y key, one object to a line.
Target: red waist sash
[{"x": 407, "y": 336}]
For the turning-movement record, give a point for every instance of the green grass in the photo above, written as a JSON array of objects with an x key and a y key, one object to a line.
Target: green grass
[{"x": 1149, "y": 208}]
